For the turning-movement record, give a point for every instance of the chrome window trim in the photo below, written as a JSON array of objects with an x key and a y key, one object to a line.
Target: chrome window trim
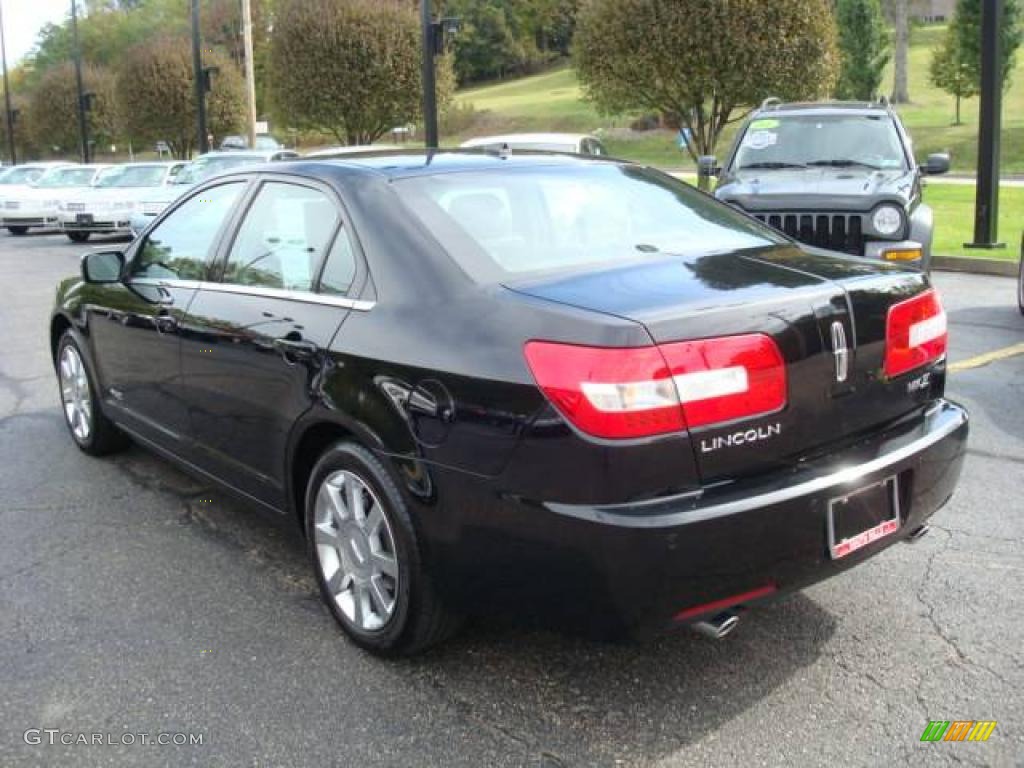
[{"x": 305, "y": 297}]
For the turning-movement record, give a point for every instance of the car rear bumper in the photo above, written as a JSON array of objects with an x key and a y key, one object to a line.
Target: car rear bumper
[{"x": 648, "y": 566}]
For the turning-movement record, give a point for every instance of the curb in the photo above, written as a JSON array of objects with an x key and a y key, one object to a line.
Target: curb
[{"x": 997, "y": 267}]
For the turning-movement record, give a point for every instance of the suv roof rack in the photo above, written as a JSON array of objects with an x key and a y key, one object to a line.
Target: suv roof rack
[{"x": 771, "y": 101}]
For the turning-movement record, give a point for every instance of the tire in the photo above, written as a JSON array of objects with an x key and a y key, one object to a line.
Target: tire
[
  {"x": 414, "y": 618},
  {"x": 19, "y": 231},
  {"x": 78, "y": 237},
  {"x": 1020, "y": 283},
  {"x": 79, "y": 403}
]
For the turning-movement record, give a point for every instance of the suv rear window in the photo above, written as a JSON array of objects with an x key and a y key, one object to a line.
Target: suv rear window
[{"x": 522, "y": 220}]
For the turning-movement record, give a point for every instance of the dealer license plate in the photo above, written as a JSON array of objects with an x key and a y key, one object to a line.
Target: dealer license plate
[{"x": 863, "y": 517}]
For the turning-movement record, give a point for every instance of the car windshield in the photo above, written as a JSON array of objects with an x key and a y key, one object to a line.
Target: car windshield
[
  {"x": 21, "y": 175},
  {"x": 837, "y": 141},
  {"x": 133, "y": 176},
  {"x": 66, "y": 177},
  {"x": 204, "y": 167},
  {"x": 522, "y": 220}
]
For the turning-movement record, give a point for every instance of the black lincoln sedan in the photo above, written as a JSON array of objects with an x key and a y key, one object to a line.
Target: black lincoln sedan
[{"x": 575, "y": 387}]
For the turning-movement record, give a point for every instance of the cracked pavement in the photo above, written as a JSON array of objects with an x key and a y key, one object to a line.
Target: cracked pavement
[{"x": 134, "y": 598}]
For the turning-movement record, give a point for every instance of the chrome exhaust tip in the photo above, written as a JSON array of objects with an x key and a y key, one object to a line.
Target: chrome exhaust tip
[
  {"x": 719, "y": 626},
  {"x": 918, "y": 533}
]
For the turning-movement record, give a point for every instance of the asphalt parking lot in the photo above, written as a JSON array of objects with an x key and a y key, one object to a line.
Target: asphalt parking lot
[{"x": 135, "y": 600}]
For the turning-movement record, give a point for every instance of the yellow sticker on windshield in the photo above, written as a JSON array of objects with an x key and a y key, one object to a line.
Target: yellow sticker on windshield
[{"x": 764, "y": 125}]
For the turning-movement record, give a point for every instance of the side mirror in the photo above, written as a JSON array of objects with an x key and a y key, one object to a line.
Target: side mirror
[
  {"x": 707, "y": 165},
  {"x": 937, "y": 164},
  {"x": 103, "y": 267}
]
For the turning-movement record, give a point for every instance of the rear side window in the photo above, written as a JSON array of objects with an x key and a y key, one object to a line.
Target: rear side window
[
  {"x": 180, "y": 244},
  {"x": 522, "y": 220},
  {"x": 340, "y": 269},
  {"x": 283, "y": 238}
]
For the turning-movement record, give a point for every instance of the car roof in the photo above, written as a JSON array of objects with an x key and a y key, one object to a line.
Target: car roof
[
  {"x": 410, "y": 163},
  {"x": 259, "y": 154},
  {"x": 150, "y": 164},
  {"x": 528, "y": 138},
  {"x": 824, "y": 108}
]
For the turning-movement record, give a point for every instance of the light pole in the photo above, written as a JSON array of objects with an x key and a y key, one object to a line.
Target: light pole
[
  {"x": 83, "y": 125},
  {"x": 7, "y": 94},
  {"x": 201, "y": 78},
  {"x": 250, "y": 70},
  {"x": 986, "y": 202},
  {"x": 428, "y": 74}
]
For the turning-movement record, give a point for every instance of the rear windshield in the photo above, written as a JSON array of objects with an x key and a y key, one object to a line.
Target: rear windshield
[
  {"x": 521, "y": 220},
  {"x": 67, "y": 177},
  {"x": 133, "y": 176}
]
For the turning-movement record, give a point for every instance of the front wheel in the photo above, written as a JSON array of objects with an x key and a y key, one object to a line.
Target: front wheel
[
  {"x": 17, "y": 230},
  {"x": 90, "y": 428},
  {"x": 366, "y": 557},
  {"x": 1020, "y": 284},
  {"x": 78, "y": 237}
]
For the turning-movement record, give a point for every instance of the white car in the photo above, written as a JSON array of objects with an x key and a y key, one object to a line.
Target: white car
[
  {"x": 107, "y": 206},
  {"x": 568, "y": 143},
  {"x": 35, "y": 205},
  {"x": 355, "y": 149}
]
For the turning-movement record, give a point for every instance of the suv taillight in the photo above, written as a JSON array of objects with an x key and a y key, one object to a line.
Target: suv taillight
[
  {"x": 915, "y": 333},
  {"x": 638, "y": 392}
]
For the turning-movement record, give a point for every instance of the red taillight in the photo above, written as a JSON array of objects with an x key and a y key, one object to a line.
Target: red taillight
[
  {"x": 614, "y": 393},
  {"x": 915, "y": 333},
  {"x": 734, "y": 377},
  {"x": 638, "y": 392}
]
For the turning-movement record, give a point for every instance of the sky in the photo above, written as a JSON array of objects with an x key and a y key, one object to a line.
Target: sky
[{"x": 22, "y": 21}]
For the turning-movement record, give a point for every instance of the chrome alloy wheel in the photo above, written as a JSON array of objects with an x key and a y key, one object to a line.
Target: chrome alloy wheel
[
  {"x": 75, "y": 394},
  {"x": 356, "y": 550}
]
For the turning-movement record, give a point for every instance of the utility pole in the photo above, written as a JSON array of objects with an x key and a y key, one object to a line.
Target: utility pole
[
  {"x": 428, "y": 75},
  {"x": 7, "y": 94},
  {"x": 201, "y": 78},
  {"x": 250, "y": 69},
  {"x": 986, "y": 202},
  {"x": 83, "y": 125}
]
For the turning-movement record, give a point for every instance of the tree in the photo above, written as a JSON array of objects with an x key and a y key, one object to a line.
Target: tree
[
  {"x": 53, "y": 108},
  {"x": 901, "y": 21},
  {"x": 486, "y": 46},
  {"x": 653, "y": 55},
  {"x": 967, "y": 22},
  {"x": 863, "y": 48},
  {"x": 956, "y": 63},
  {"x": 949, "y": 71},
  {"x": 155, "y": 88},
  {"x": 350, "y": 68}
]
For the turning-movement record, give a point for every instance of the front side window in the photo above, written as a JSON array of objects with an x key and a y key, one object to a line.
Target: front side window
[
  {"x": 821, "y": 141},
  {"x": 180, "y": 245},
  {"x": 283, "y": 238},
  {"x": 521, "y": 220}
]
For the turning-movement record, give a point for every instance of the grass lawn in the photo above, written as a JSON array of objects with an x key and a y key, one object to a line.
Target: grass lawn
[{"x": 954, "y": 217}]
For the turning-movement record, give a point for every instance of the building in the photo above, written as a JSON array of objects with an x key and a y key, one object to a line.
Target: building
[{"x": 932, "y": 10}]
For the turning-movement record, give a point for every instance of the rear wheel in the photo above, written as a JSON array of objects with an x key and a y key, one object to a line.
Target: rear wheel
[
  {"x": 366, "y": 557},
  {"x": 17, "y": 230},
  {"x": 78, "y": 237},
  {"x": 91, "y": 430}
]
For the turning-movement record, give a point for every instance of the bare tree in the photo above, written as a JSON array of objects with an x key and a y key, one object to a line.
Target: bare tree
[{"x": 901, "y": 20}]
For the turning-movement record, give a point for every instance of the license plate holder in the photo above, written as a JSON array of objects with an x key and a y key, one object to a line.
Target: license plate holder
[
  {"x": 863, "y": 517},
  {"x": 84, "y": 218}
]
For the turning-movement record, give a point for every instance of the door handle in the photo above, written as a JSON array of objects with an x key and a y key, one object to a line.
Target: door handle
[{"x": 296, "y": 349}]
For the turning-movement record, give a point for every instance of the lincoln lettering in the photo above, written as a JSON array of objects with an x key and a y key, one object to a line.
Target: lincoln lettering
[{"x": 754, "y": 435}]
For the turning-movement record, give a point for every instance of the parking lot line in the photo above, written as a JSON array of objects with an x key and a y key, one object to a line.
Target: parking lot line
[{"x": 989, "y": 357}]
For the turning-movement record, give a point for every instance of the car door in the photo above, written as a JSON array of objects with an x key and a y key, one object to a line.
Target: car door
[
  {"x": 257, "y": 337},
  {"x": 134, "y": 324}
]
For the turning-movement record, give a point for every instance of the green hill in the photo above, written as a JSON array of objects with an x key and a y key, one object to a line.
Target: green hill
[{"x": 553, "y": 101}]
